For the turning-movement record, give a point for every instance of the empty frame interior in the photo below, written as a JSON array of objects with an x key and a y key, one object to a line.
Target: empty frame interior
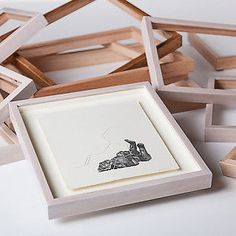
[
  {"x": 60, "y": 121},
  {"x": 219, "y": 51},
  {"x": 176, "y": 93}
]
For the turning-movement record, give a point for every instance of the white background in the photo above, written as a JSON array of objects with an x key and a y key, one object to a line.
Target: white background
[{"x": 210, "y": 212}]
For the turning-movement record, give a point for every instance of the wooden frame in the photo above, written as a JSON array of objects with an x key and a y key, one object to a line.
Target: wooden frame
[
  {"x": 14, "y": 86},
  {"x": 172, "y": 43},
  {"x": 228, "y": 164},
  {"x": 30, "y": 70},
  {"x": 57, "y": 13},
  {"x": 196, "y": 95},
  {"x": 219, "y": 133},
  {"x": 23, "y": 66},
  {"x": 93, "y": 201},
  {"x": 11, "y": 152},
  {"x": 54, "y": 55},
  {"x": 219, "y": 62},
  {"x": 22, "y": 63},
  {"x": 34, "y": 23}
]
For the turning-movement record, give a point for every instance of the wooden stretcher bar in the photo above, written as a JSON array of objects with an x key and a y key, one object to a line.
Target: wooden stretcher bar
[
  {"x": 217, "y": 61},
  {"x": 120, "y": 78}
]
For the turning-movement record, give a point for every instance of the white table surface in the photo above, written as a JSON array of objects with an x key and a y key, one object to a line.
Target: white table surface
[{"x": 210, "y": 212}]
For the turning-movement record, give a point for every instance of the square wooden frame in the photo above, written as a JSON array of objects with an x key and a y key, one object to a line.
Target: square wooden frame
[
  {"x": 11, "y": 152},
  {"x": 219, "y": 133},
  {"x": 34, "y": 23},
  {"x": 94, "y": 201},
  {"x": 17, "y": 86},
  {"x": 217, "y": 61},
  {"x": 228, "y": 164},
  {"x": 197, "y": 95}
]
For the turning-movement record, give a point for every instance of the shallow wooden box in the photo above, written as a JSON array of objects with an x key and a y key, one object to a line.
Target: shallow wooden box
[{"x": 192, "y": 175}]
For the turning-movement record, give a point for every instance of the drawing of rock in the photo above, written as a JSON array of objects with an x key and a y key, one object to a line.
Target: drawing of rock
[
  {"x": 144, "y": 156},
  {"x": 126, "y": 158}
]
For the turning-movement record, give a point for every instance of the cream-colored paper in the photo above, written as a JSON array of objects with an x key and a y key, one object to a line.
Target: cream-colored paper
[{"x": 81, "y": 135}]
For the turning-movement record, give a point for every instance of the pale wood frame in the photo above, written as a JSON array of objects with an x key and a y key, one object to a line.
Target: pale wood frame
[
  {"x": 173, "y": 41},
  {"x": 228, "y": 164},
  {"x": 94, "y": 201},
  {"x": 17, "y": 86},
  {"x": 33, "y": 23},
  {"x": 219, "y": 133},
  {"x": 217, "y": 61},
  {"x": 22, "y": 63},
  {"x": 57, "y": 13},
  {"x": 11, "y": 152},
  {"x": 196, "y": 95},
  {"x": 54, "y": 55}
]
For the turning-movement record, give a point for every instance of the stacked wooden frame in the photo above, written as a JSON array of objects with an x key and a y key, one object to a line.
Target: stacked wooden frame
[
  {"x": 53, "y": 53},
  {"x": 23, "y": 65},
  {"x": 107, "y": 47}
]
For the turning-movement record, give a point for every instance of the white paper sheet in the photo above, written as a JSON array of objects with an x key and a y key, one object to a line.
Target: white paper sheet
[{"x": 81, "y": 136}]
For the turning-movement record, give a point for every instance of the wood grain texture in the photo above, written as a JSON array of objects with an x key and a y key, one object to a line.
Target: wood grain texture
[
  {"x": 84, "y": 58},
  {"x": 130, "y": 9},
  {"x": 65, "y": 10},
  {"x": 126, "y": 77},
  {"x": 31, "y": 71}
]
